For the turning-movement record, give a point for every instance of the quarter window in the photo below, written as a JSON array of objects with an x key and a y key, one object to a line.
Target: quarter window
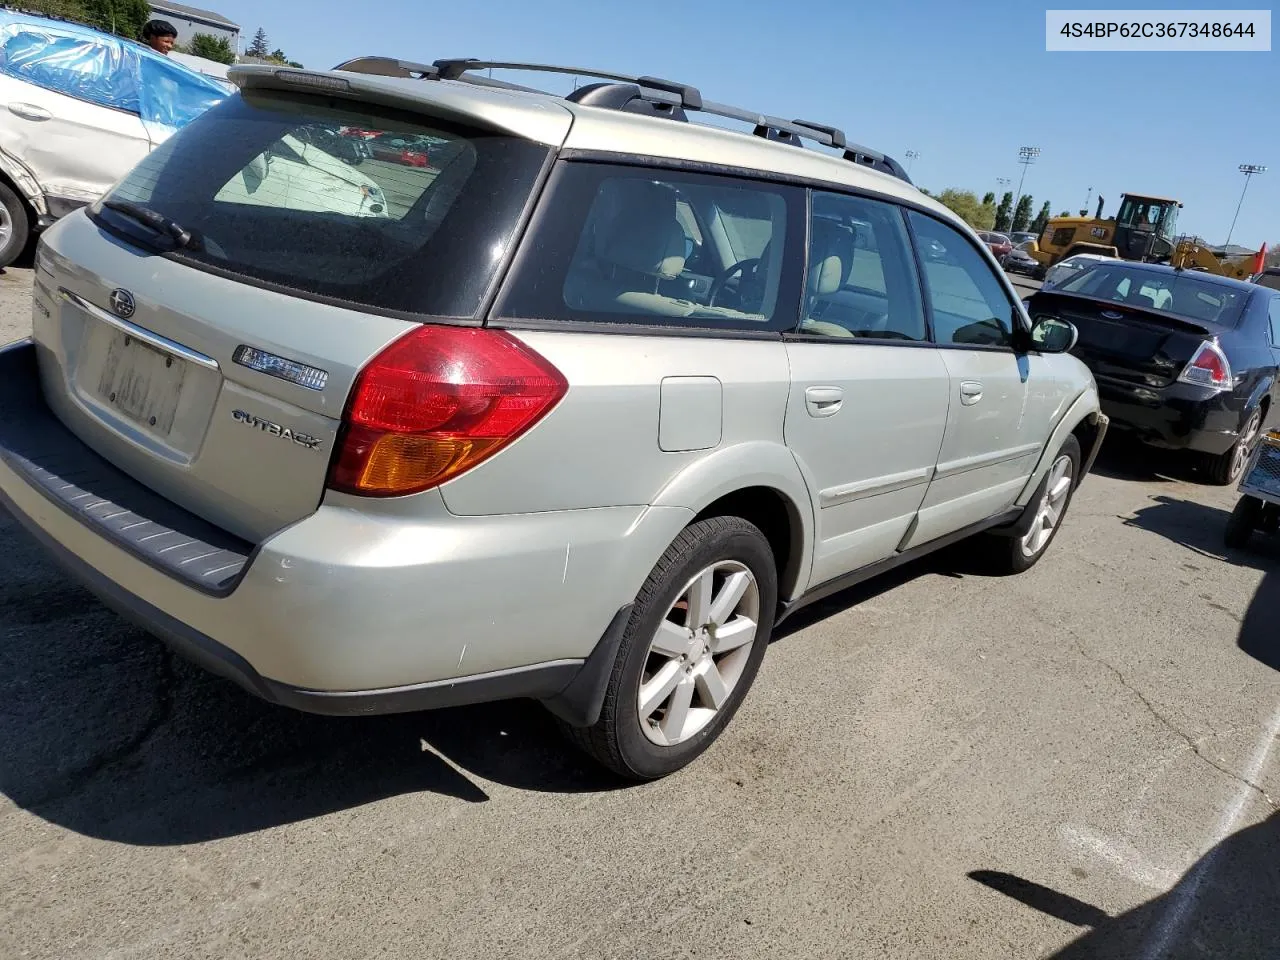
[
  {"x": 860, "y": 281},
  {"x": 660, "y": 248},
  {"x": 1275, "y": 321},
  {"x": 970, "y": 306}
]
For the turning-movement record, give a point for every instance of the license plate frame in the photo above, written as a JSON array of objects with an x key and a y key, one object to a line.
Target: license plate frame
[{"x": 142, "y": 383}]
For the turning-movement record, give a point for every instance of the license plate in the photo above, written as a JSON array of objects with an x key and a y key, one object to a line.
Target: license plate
[{"x": 142, "y": 382}]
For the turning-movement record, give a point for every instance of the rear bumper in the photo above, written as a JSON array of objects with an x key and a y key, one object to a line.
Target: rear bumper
[
  {"x": 342, "y": 612},
  {"x": 1179, "y": 416}
]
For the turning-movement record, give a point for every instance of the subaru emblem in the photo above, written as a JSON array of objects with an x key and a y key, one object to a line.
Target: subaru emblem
[{"x": 122, "y": 303}]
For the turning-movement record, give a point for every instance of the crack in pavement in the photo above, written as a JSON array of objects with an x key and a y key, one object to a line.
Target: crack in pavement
[
  {"x": 161, "y": 711},
  {"x": 1168, "y": 724}
]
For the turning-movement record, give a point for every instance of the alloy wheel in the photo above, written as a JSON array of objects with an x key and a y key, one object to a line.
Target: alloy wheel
[
  {"x": 1052, "y": 503},
  {"x": 699, "y": 653},
  {"x": 1244, "y": 446}
]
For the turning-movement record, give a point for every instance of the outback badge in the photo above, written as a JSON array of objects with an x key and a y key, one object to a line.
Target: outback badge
[{"x": 284, "y": 433}]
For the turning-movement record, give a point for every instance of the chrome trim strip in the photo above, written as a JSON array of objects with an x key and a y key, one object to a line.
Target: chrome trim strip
[
  {"x": 985, "y": 460},
  {"x": 143, "y": 334},
  {"x": 834, "y": 496}
]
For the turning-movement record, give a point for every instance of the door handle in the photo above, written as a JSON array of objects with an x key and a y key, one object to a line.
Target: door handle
[
  {"x": 29, "y": 111},
  {"x": 823, "y": 401},
  {"x": 970, "y": 392}
]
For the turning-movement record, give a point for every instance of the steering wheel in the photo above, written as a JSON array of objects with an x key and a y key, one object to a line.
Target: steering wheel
[{"x": 717, "y": 285}]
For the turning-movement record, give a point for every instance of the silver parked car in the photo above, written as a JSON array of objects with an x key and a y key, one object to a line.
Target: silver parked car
[{"x": 579, "y": 413}]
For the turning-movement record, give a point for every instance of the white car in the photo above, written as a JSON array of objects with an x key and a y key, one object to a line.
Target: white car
[
  {"x": 83, "y": 108},
  {"x": 1068, "y": 267}
]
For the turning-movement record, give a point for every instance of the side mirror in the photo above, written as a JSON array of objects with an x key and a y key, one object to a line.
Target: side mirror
[{"x": 1051, "y": 335}]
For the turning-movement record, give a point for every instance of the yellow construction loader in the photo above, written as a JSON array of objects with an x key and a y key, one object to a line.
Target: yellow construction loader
[{"x": 1143, "y": 229}]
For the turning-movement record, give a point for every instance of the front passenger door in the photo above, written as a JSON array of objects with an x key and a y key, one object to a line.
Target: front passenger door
[{"x": 1001, "y": 402}]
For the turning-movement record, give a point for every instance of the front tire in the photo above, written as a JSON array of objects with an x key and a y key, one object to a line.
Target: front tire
[
  {"x": 1227, "y": 468},
  {"x": 690, "y": 651},
  {"x": 15, "y": 226},
  {"x": 1022, "y": 551}
]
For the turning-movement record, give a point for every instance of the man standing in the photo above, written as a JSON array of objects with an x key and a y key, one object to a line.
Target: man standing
[{"x": 159, "y": 35}]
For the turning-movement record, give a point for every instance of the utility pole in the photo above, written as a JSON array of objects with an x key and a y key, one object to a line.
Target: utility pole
[
  {"x": 1026, "y": 157},
  {"x": 1248, "y": 169}
]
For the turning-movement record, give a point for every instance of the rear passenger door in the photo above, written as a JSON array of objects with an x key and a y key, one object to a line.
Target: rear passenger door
[
  {"x": 1000, "y": 402},
  {"x": 868, "y": 398}
]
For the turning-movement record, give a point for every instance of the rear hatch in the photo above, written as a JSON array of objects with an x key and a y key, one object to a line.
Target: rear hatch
[
  {"x": 202, "y": 326},
  {"x": 1131, "y": 344}
]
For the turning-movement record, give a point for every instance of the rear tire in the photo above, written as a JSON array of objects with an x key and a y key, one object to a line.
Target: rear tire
[
  {"x": 15, "y": 226},
  {"x": 1242, "y": 522},
  {"x": 673, "y": 689},
  {"x": 1018, "y": 554},
  {"x": 1227, "y": 468}
]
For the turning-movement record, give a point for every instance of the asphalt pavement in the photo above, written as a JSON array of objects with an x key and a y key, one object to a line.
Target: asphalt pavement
[{"x": 1071, "y": 763}]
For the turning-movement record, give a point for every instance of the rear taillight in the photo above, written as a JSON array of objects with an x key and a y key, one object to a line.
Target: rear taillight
[
  {"x": 436, "y": 403},
  {"x": 1208, "y": 368}
]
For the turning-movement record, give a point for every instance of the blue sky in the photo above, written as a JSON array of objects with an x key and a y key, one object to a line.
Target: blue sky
[{"x": 963, "y": 84}]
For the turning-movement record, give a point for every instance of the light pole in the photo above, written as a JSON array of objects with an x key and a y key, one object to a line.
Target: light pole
[
  {"x": 911, "y": 155},
  {"x": 1248, "y": 169},
  {"x": 1026, "y": 157}
]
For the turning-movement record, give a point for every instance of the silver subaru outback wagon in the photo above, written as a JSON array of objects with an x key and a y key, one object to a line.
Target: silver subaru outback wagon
[{"x": 577, "y": 410}]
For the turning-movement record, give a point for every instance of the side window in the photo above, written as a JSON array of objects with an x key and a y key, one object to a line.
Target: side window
[
  {"x": 861, "y": 281},
  {"x": 970, "y": 307},
  {"x": 623, "y": 245},
  {"x": 1275, "y": 321},
  {"x": 99, "y": 73}
]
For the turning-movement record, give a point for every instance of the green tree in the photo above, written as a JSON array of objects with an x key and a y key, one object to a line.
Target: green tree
[
  {"x": 990, "y": 198},
  {"x": 211, "y": 48},
  {"x": 124, "y": 18},
  {"x": 64, "y": 9},
  {"x": 1003, "y": 211},
  {"x": 1022, "y": 215},
  {"x": 259, "y": 47},
  {"x": 1065, "y": 213},
  {"x": 969, "y": 208},
  {"x": 1273, "y": 254},
  {"x": 1041, "y": 220}
]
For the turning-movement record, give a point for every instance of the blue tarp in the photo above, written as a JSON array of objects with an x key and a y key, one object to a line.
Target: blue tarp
[{"x": 107, "y": 70}]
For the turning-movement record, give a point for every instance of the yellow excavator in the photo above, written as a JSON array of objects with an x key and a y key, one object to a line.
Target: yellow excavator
[{"x": 1143, "y": 229}]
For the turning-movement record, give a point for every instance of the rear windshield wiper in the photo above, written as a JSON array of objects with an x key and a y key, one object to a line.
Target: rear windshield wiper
[{"x": 157, "y": 221}]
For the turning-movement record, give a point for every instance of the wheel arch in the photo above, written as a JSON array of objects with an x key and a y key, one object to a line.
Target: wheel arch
[
  {"x": 760, "y": 482},
  {"x": 19, "y": 178},
  {"x": 1083, "y": 420}
]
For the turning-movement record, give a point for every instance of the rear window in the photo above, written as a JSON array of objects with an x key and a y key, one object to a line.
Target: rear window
[
  {"x": 625, "y": 245},
  {"x": 303, "y": 193},
  {"x": 1184, "y": 294}
]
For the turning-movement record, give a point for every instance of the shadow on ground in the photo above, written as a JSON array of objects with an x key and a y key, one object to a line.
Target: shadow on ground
[
  {"x": 103, "y": 731},
  {"x": 1123, "y": 458},
  {"x": 1227, "y": 905},
  {"x": 1200, "y": 528}
]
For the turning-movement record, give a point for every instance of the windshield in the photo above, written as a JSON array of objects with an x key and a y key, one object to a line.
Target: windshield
[
  {"x": 1184, "y": 294},
  {"x": 278, "y": 189}
]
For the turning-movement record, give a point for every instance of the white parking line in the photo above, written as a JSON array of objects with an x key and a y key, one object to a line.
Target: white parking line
[{"x": 1181, "y": 899}]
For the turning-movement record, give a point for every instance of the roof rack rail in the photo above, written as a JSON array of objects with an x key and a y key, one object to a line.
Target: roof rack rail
[{"x": 654, "y": 96}]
